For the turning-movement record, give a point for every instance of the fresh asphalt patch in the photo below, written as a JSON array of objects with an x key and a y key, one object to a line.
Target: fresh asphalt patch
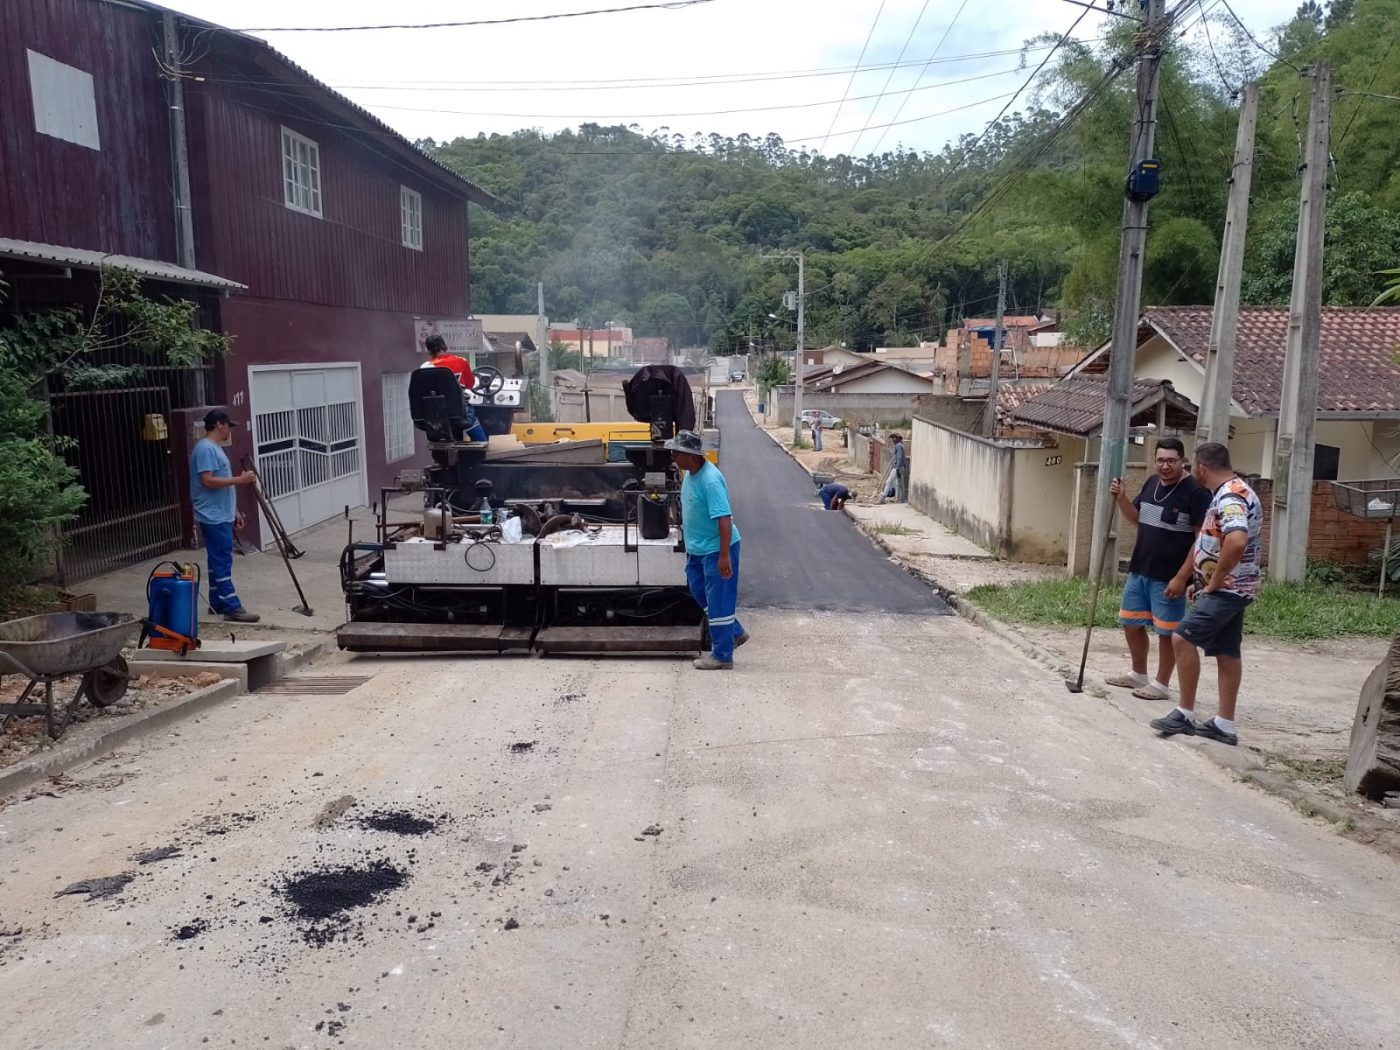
[{"x": 790, "y": 557}]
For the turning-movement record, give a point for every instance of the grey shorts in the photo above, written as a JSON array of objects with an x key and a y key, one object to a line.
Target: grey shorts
[{"x": 1215, "y": 624}]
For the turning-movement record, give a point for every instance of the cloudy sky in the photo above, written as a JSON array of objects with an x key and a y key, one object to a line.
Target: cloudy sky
[{"x": 932, "y": 69}]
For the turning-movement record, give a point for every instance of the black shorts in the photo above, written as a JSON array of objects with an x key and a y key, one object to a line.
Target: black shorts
[{"x": 1215, "y": 624}]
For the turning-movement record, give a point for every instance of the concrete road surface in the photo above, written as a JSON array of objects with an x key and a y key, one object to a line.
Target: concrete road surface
[
  {"x": 796, "y": 554},
  {"x": 877, "y": 831}
]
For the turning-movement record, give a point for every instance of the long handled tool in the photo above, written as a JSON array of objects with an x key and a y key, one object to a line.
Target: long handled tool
[
  {"x": 282, "y": 545},
  {"x": 1077, "y": 686},
  {"x": 273, "y": 518}
]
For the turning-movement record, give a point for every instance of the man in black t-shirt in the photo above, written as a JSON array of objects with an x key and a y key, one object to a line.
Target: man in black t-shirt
[{"x": 1169, "y": 512}]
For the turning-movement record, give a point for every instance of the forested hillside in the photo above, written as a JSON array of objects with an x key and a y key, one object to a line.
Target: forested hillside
[{"x": 663, "y": 230}]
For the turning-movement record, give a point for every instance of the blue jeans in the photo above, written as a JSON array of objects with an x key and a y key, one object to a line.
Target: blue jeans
[
  {"x": 718, "y": 597},
  {"x": 474, "y": 430},
  {"x": 218, "y": 551},
  {"x": 816, "y": 439}
]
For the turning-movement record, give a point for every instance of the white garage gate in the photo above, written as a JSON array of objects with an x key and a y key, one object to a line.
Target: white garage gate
[{"x": 308, "y": 435}]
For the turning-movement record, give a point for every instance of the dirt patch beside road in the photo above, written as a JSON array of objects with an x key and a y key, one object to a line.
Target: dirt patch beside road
[{"x": 22, "y": 737}]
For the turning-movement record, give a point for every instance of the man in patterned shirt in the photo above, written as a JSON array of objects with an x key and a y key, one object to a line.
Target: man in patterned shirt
[{"x": 1225, "y": 581}]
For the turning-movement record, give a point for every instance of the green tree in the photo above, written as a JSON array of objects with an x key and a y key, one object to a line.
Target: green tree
[{"x": 39, "y": 490}]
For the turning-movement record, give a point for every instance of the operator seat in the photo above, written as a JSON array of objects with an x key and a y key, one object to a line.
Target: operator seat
[{"x": 436, "y": 404}]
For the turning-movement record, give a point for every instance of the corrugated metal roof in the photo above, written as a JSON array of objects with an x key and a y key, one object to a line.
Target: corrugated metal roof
[
  {"x": 86, "y": 259},
  {"x": 1076, "y": 405},
  {"x": 471, "y": 190}
]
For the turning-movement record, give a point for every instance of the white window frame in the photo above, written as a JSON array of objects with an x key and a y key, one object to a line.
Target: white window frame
[
  {"x": 399, "y": 435},
  {"x": 410, "y": 209},
  {"x": 301, "y": 173}
]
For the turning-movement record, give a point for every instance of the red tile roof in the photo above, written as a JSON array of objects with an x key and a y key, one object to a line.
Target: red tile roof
[
  {"x": 1076, "y": 405},
  {"x": 1010, "y": 398},
  {"x": 1358, "y": 350}
]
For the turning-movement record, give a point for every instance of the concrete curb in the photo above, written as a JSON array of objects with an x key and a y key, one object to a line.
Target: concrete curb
[{"x": 65, "y": 756}]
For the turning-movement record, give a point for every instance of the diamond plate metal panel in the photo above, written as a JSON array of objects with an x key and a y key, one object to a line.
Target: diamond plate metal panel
[{"x": 480, "y": 565}]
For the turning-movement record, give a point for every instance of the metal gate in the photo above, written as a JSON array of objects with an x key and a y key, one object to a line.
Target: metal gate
[
  {"x": 306, "y": 432},
  {"x": 133, "y": 507}
]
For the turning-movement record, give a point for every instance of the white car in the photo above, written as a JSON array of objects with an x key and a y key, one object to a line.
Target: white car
[{"x": 828, "y": 421}]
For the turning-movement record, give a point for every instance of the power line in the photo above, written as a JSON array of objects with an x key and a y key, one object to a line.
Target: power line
[
  {"x": 651, "y": 83},
  {"x": 670, "y": 5},
  {"x": 698, "y": 113},
  {"x": 876, "y": 107},
  {"x": 854, "y": 73},
  {"x": 1253, "y": 40},
  {"x": 1012, "y": 101},
  {"x": 941, "y": 41},
  {"x": 1224, "y": 80},
  {"x": 1367, "y": 93}
]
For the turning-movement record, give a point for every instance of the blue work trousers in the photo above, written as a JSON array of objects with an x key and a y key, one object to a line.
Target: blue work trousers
[
  {"x": 474, "y": 431},
  {"x": 218, "y": 550},
  {"x": 816, "y": 439},
  {"x": 718, "y": 597}
]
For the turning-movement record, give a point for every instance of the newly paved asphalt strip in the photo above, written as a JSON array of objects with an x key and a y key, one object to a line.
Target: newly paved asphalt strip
[{"x": 795, "y": 554}]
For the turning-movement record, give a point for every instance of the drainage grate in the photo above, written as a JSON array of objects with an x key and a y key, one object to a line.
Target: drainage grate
[{"x": 315, "y": 685}]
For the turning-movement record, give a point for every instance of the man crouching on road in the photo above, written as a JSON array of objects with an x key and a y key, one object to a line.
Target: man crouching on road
[
  {"x": 1226, "y": 580},
  {"x": 712, "y": 549}
]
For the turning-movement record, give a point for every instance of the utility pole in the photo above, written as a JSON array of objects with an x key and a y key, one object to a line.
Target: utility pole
[
  {"x": 179, "y": 145},
  {"x": 1213, "y": 424},
  {"x": 1294, "y": 445},
  {"x": 1128, "y": 304},
  {"x": 989, "y": 414},
  {"x": 801, "y": 335},
  {"x": 542, "y": 333}
]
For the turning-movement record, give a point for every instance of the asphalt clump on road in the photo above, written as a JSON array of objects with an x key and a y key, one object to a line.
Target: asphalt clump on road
[
  {"x": 398, "y": 822},
  {"x": 324, "y": 897},
  {"x": 153, "y": 856},
  {"x": 101, "y": 888},
  {"x": 190, "y": 930},
  {"x": 521, "y": 747}
]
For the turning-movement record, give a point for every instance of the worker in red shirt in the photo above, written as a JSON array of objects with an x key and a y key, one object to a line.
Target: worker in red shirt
[{"x": 436, "y": 346}]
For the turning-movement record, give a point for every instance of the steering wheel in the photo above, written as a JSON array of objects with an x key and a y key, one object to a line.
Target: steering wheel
[{"x": 489, "y": 381}]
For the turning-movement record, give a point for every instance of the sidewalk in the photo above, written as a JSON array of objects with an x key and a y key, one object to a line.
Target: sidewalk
[{"x": 263, "y": 583}]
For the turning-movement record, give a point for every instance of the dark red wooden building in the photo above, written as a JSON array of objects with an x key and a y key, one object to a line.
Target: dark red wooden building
[{"x": 311, "y": 233}]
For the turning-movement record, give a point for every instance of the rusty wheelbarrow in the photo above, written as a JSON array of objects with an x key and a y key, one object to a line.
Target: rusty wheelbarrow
[{"x": 54, "y": 646}]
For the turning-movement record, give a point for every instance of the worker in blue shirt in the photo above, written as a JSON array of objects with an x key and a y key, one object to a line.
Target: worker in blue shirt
[
  {"x": 712, "y": 549},
  {"x": 212, "y": 487}
]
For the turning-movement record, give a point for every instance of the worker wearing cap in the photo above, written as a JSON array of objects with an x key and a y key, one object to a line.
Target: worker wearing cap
[
  {"x": 212, "y": 487},
  {"x": 712, "y": 549},
  {"x": 460, "y": 367}
]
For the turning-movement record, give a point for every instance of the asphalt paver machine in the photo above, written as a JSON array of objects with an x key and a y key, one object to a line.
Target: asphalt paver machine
[{"x": 503, "y": 546}]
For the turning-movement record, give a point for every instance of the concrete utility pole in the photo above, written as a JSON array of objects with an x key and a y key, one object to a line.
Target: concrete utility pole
[
  {"x": 179, "y": 145},
  {"x": 1128, "y": 305},
  {"x": 798, "y": 369},
  {"x": 1294, "y": 446},
  {"x": 989, "y": 414},
  {"x": 542, "y": 333},
  {"x": 1213, "y": 424}
]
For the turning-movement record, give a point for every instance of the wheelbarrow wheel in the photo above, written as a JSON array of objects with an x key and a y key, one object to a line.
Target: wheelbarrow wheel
[{"x": 107, "y": 684}]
